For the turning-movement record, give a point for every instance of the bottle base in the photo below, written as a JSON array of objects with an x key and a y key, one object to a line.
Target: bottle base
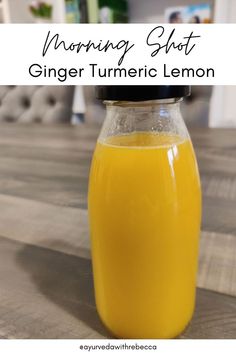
[{"x": 119, "y": 334}]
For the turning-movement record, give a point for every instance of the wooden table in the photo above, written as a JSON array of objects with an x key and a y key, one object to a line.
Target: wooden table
[{"x": 45, "y": 274}]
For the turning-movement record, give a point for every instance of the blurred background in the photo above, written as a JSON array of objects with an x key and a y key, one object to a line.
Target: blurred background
[{"x": 207, "y": 106}]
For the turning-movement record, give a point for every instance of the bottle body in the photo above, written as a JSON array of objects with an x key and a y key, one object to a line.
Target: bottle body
[{"x": 144, "y": 211}]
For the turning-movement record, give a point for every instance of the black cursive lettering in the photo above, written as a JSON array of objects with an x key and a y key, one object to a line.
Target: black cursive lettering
[
  {"x": 186, "y": 45},
  {"x": 55, "y": 42}
]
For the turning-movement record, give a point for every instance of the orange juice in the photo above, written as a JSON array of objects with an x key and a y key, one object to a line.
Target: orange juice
[{"x": 144, "y": 210}]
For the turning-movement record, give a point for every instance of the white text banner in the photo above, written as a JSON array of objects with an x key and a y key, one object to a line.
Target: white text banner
[{"x": 117, "y": 54}]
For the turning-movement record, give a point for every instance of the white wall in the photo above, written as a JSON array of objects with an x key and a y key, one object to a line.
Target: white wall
[
  {"x": 19, "y": 12},
  {"x": 1, "y": 11},
  {"x": 58, "y": 11},
  {"x": 222, "y": 108}
]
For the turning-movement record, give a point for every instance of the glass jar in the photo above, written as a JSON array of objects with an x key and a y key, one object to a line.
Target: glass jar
[{"x": 144, "y": 213}]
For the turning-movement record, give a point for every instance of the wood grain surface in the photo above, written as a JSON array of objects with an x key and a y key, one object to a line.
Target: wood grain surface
[{"x": 45, "y": 274}]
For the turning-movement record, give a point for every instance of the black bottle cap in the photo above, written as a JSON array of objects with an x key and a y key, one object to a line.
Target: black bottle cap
[{"x": 141, "y": 93}]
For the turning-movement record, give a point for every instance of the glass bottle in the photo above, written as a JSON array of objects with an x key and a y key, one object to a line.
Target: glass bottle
[{"x": 144, "y": 213}]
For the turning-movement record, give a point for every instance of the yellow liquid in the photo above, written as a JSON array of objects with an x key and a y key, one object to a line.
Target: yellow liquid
[{"x": 145, "y": 211}]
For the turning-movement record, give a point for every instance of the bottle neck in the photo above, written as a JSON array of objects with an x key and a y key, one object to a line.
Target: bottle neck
[
  {"x": 144, "y": 110},
  {"x": 157, "y": 116},
  {"x": 151, "y": 103}
]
